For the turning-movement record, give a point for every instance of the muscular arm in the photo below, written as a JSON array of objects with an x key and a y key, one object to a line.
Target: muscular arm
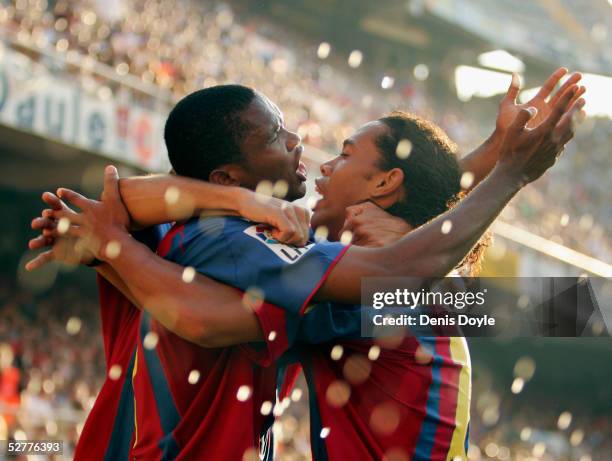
[
  {"x": 203, "y": 311},
  {"x": 159, "y": 199}
]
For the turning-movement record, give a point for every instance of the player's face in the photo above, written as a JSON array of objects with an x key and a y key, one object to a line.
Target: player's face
[
  {"x": 348, "y": 179},
  {"x": 271, "y": 151}
]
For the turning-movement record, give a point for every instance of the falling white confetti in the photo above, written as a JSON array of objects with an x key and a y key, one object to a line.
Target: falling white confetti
[
  {"x": 346, "y": 237},
  {"x": 325, "y": 432},
  {"x": 113, "y": 249},
  {"x": 421, "y": 72},
  {"x": 447, "y": 226},
  {"x": 564, "y": 421},
  {"x": 467, "y": 179},
  {"x": 243, "y": 394},
  {"x": 264, "y": 191},
  {"x": 266, "y": 408},
  {"x": 517, "y": 385},
  {"x": 387, "y": 82},
  {"x": 73, "y": 326},
  {"x": 564, "y": 220},
  {"x": 525, "y": 434},
  {"x": 323, "y": 50},
  {"x": 321, "y": 233},
  {"x": 374, "y": 352},
  {"x": 336, "y": 352},
  {"x": 150, "y": 340},
  {"x": 272, "y": 336},
  {"x": 280, "y": 188},
  {"x": 194, "y": 377},
  {"x": 188, "y": 275},
  {"x": 296, "y": 395},
  {"x": 355, "y": 59},
  {"x": 172, "y": 195},
  {"x": 63, "y": 225},
  {"x": 115, "y": 372},
  {"x": 403, "y": 149}
]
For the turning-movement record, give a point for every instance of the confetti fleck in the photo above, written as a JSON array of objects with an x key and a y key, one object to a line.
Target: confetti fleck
[
  {"x": 311, "y": 202},
  {"x": 253, "y": 298},
  {"x": 517, "y": 385},
  {"x": 374, "y": 352},
  {"x": 325, "y": 432},
  {"x": 403, "y": 149},
  {"x": 188, "y": 275},
  {"x": 387, "y": 82},
  {"x": 564, "y": 220},
  {"x": 272, "y": 336},
  {"x": 73, "y": 326},
  {"x": 564, "y": 421},
  {"x": 172, "y": 195},
  {"x": 357, "y": 368},
  {"x": 323, "y": 50},
  {"x": 264, "y": 191},
  {"x": 355, "y": 59},
  {"x": 539, "y": 449},
  {"x": 194, "y": 377},
  {"x": 266, "y": 408},
  {"x": 150, "y": 340},
  {"x": 336, "y": 352},
  {"x": 244, "y": 393},
  {"x": 524, "y": 368},
  {"x": 63, "y": 225},
  {"x": 338, "y": 393},
  {"x": 525, "y": 434},
  {"x": 447, "y": 226},
  {"x": 346, "y": 237},
  {"x": 113, "y": 249},
  {"x": 421, "y": 72},
  {"x": 577, "y": 437},
  {"x": 296, "y": 395},
  {"x": 280, "y": 188},
  {"x": 321, "y": 233},
  {"x": 467, "y": 179},
  {"x": 115, "y": 372}
]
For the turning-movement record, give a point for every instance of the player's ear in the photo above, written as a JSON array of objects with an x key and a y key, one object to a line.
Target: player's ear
[
  {"x": 226, "y": 175},
  {"x": 387, "y": 183}
]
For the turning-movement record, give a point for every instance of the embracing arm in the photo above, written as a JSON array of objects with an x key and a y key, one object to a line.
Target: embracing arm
[{"x": 202, "y": 311}]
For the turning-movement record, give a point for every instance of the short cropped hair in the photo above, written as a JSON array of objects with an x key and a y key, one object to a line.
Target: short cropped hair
[{"x": 204, "y": 130}]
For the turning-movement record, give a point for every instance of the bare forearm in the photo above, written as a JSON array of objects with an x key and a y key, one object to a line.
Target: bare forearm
[
  {"x": 164, "y": 198},
  {"x": 202, "y": 310},
  {"x": 106, "y": 271},
  {"x": 482, "y": 160}
]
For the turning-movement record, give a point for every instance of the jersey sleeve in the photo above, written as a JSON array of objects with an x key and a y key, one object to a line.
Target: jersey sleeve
[
  {"x": 321, "y": 323},
  {"x": 244, "y": 255}
]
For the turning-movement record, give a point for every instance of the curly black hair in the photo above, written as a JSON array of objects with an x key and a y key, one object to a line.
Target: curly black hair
[{"x": 432, "y": 174}]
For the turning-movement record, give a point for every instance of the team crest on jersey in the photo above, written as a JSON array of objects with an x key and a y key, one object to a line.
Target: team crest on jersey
[{"x": 287, "y": 253}]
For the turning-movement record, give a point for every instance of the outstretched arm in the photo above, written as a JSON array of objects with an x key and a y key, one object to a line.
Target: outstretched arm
[
  {"x": 479, "y": 163},
  {"x": 160, "y": 199}
]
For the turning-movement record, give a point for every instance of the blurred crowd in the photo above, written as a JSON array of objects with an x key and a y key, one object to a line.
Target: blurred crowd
[
  {"x": 181, "y": 46},
  {"x": 51, "y": 362}
]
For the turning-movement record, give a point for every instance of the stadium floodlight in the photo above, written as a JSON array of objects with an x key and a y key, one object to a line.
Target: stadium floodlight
[
  {"x": 474, "y": 81},
  {"x": 501, "y": 60}
]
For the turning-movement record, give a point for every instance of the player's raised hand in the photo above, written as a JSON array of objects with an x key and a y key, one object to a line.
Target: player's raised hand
[
  {"x": 99, "y": 222},
  {"x": 542, "y": 101},
  {"x": 527, "y": 153},
  {"x": 290, "y": 223},
  {"x": 371, "y": 226},
  {"x": 62, "y": 248}
]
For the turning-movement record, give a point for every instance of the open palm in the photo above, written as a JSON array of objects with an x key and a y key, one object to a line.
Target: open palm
[{"x": 509, "y": 109}]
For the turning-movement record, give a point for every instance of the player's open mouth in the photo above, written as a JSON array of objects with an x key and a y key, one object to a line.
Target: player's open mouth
[{"x": 301, "y": 172}]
